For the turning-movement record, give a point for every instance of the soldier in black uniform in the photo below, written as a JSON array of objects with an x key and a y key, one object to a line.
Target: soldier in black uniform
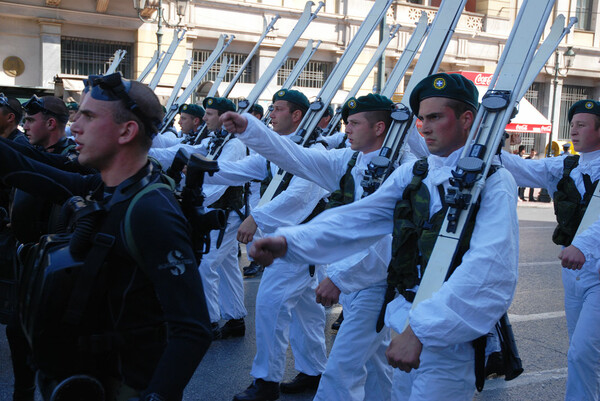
[{"x": 148, "y": 329}]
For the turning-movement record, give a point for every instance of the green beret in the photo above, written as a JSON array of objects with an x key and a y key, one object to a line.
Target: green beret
[
  {"x": 72, "y": 106},
  {"x": 329, "y": 111},
  {"x": 451, "y": 86},
  {"x": 370, "y": 102},
  {"x": 192, "y": 109},
  {"x": 292, "y": 96},
  {"x": 588, "y": 106},
  {"x": 257, "y": 108},
  {"x": 219, "y": 103}
]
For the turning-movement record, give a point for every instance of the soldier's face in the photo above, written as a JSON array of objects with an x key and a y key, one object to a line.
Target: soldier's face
[
  {"x": 96, "y": 133},
  {"x": 186, "y": 122},
  {"x": 362, "y": 135},
  {"x": 443, "y": 132},
  {"x": 584, "y": 133},
  {"x": 282, "y": 119},
  {"x": 211, "y": 118},
  {"x": 37, "y": 129}
]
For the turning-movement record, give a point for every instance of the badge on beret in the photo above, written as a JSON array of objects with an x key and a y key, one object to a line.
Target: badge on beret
[
  {"x": 281, "y": 93},
  {"x": 209, "y": 102},
  {"x": 185, "y": 107},
  {"x": 589, "y": 105},
  {"x": 352, "y": 104},
  {"x": 439, "y": 83}
]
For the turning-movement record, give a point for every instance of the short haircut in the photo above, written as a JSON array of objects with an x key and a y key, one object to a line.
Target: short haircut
[
  {"x": 57, "y": 106},
  {"x": 15, "y": 108},
  {"x": 293, "y": 107},
  {"x": 459, "y": 108},
  {"x": 147, "y": 101},
  {"x": 375, "y": 116}
]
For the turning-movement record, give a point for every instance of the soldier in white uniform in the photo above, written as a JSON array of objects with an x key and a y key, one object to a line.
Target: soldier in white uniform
[
  {"x": 435, "y": 351},
  {"x": 572, "y": 180},
  {"x": 356, "y": 364},
  {"x": 219, "y": 269},
  {"x": 286, "y": 312}
]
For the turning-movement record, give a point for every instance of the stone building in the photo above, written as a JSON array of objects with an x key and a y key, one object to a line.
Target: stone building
[{"x": 48, "y": 45}]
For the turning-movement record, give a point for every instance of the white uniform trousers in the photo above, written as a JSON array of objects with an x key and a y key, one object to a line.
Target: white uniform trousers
[
  {"x": 286, "y": 313},
  {"x": 445, "y": 373},
  {"x": 582, "y": 307},
  {"x": 221, "y": 275},
  {"x": 357, "y": 368}
]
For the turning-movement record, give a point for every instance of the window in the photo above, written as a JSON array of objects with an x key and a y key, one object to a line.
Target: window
[
  {"x": 583, "y": 12},
  {"x": 314, "y": 74},
  {"x": 570, "y": 95},
  {"x": 237, "y": 60},
  {"x": 90, "y": 56}
]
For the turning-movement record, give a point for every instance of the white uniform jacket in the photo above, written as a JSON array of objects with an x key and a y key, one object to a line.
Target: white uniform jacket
[
  {"x": 545, "y": 173},
  {"x": 481, "y": 288}
]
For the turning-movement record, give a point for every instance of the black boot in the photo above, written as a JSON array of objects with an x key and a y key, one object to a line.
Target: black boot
[
  {"x": 259, "y": 390},
  {"x": 233, "y": 328},
  {"x": 301, "y": 383},
  {"x": 252, "y": 269}
]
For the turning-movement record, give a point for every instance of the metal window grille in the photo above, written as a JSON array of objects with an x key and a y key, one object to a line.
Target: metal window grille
[
  {"x": 570, "y": 95},
  {"x": 237, "y": 59},
  {"x": 583, "y": 12},
  {"x": 314, "y": 74},
  {"x": 91, "y": 56},
  {"x": 533, "y": 95}
]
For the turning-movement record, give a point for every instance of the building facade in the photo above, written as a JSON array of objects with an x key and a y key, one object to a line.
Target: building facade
[{"x": 49, "y": 45}]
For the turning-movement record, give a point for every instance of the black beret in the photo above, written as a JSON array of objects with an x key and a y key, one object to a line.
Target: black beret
[
  {"x": 218, "y": 103},
  {"x": 192, "y": 109},
  {"x": 451, "y": 86},
  {"x": 370, "y": 102},
  {"x": 292, "y": 96},
  {"x": 588, "y": 106}
]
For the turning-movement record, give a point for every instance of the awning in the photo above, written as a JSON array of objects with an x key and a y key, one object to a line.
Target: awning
[{"x": 528, "y": 119}]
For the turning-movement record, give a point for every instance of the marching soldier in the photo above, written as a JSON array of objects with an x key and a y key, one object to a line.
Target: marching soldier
[
  {"x": 440, "y": 331},
  {"x": 285, "y": 309},
  {"x": 221, "y": 276},
  {"x": 356, "y": 367},
  {"x": 572, "y": 180}
]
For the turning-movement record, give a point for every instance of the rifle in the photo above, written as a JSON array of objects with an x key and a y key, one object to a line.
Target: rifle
[
  {"x": 184, "y": 70},
  {"x": 162, "y": 64},
  {"x": 403, "y": 119},
  {"x": 307, "y": 128},
  {"x": 216, "y": 53},
  {"x": 391, "y": 34},
  {"x": 295, "y": 73},
  {"x": 264, "y": 80},
  {"x": 237, "y": 76},
  {"x": 117, "y": 58}
]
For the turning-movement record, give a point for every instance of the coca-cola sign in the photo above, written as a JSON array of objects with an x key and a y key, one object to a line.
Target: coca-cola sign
[{"x": 482, "y": 79}]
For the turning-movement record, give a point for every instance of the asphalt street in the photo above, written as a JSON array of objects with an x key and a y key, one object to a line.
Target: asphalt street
[{"x": 536, "y": 314}]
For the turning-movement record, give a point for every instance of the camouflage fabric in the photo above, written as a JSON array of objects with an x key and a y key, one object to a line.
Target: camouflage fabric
[
  {"x": 345, "y": 194},
  {"x": 569, "y": 207},
  {"x": 415, "y": 233}
]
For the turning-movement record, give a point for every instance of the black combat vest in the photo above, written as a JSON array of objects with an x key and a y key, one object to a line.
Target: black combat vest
[{"x": 569, "y": 206}]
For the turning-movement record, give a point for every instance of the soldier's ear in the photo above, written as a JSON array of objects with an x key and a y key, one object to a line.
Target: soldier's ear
[{"x": 129, "y": 131}]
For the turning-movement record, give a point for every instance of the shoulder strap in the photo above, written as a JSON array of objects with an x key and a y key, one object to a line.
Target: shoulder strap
[
  {"x": 569, "y": 163},
  {"x": 129, "y": 239}
]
